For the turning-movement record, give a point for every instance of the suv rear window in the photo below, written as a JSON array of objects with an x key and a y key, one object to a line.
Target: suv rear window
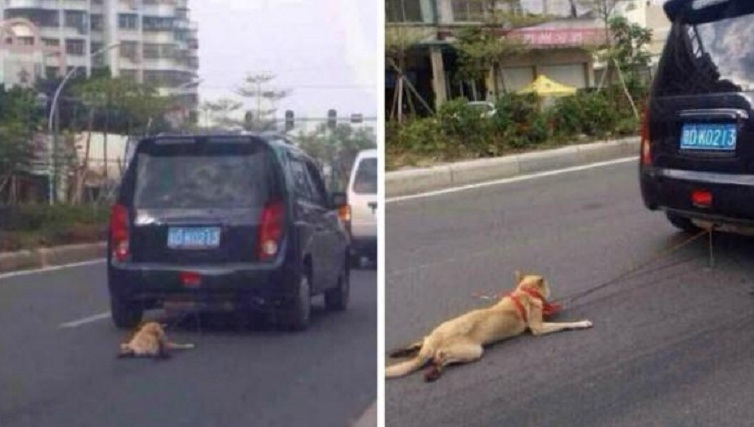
[
  {"x": 710, "y": 55},
  {"x": 195, "y": 176},
  {"x": 365, "y": 181}
]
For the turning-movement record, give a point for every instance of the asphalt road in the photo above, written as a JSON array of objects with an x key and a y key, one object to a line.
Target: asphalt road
[
  {"x": 671, "y": 346},
  {"x": 237, "y": 376}
]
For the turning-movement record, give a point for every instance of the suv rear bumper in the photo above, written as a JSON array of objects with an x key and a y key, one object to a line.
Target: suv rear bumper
[
  {"x": 670, "y": 190},
  {"x": 229, "y": 285}
]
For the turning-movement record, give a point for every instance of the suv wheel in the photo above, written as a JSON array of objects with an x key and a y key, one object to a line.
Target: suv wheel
[
  {"x": 300, "y": 311},
  {"x": 682, "y": 223},
  {"x": 336, "y": 299},
  {"x": 125, "y": 314}
]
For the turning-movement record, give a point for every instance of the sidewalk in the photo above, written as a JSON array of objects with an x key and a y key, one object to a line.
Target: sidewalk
[
  {"x": 48, "y": 257},
  {"x": 415, "y": 181}
]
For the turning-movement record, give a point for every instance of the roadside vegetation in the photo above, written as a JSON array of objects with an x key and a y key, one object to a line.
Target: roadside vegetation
[
  {"x": 105, "y": 105},
  {"x": 521, "y": 123},
  {"x": 31, "y": 226},
  {"x": 525, "y": 122}
]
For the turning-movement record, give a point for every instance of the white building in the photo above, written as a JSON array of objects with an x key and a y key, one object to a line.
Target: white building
[{"x": 158, "y": 41}]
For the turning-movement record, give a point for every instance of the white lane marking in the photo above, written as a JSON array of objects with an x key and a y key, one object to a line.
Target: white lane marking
[
  {"x": 510, "y": 180},
  {"x": 85, "y": 320},
  {"x": 51, "y": 268}
]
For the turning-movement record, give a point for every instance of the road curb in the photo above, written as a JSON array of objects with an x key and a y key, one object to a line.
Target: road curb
[
  {"x": 48, "y": 257},
  {"x": 415, "y": 181}
]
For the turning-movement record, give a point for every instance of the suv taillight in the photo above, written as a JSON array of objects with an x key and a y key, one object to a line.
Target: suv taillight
[
  {"x": 270, "y": 230},
  {"x": 646, "y": 148},
  {"x": 119, "y": 232},
  {"x": 344, "y": 213}
]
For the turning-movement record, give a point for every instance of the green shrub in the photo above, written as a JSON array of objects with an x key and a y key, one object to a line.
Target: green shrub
[
  {"x": 472, "y": 134},
  {"x": 521, "y": 121},
  {"x": 34, "y": 217}
]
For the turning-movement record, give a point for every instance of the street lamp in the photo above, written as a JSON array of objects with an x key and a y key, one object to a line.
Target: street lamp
[{"x": 53, "y": 112}]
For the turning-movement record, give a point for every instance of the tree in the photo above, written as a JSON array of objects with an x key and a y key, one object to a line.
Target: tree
[
  {"x": 119, "y": 105},
  {"x": 266, "y": 97},
  {"x": 483, "y": 48},
  {"x": 481, "y": 52},
  {"x": 220, "y": 112},
  {"x": 399, "y": 39},
  {"x": 336, "y": 149},
  {"x": 603, "y": 10},
  {"x": 629, "y": 46},
  {"x": 20, "y": 116},
  {"x": 627, "y": 52}
]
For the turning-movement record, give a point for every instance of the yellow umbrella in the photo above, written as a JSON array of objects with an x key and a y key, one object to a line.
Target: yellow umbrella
[{"x": 544, "y": 86}]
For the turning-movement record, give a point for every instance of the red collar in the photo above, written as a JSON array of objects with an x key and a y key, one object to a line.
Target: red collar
[
  {"x": 547, "y": 308},
  {"x": 519, "y": 306}
]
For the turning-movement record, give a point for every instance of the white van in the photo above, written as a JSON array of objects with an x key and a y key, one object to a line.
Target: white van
[{"x": 362, "y": 197}]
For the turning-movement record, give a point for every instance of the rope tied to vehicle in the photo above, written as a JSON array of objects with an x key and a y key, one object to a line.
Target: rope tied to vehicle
[{"x": 559, "y": 303}]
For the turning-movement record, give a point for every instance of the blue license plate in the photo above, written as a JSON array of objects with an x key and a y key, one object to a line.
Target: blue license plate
[
  {"x": 193, "y": 237},
  {"x": 715, "y": 137}
]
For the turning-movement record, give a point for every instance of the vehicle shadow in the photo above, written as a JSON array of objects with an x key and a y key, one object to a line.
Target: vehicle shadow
[{"x": 216, "y": 322}]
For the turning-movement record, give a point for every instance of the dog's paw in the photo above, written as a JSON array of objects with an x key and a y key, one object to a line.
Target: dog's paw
[{"x": 585, "y": 324}]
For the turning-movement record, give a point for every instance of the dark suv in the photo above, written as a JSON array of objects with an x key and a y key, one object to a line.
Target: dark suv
[
  {"x": 232, "y": 222},
  {"x": 697, "y": 148}
]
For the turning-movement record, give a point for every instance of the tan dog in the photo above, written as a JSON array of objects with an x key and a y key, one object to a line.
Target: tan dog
[
  {"x": 150, "y": 341},
  {"x": 461, "y": 340}
]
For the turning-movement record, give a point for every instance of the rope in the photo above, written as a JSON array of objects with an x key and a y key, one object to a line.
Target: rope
[
  {"x": 636, "y": 268},
  {"x": 631, "y": 271}
]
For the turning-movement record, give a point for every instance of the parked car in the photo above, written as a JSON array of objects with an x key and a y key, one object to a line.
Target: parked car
[
  {"x": 486, "y": 109},
  {"x": 697, "y": 143},
  {"x": 233, "y": 222},
  {"x": 362, "y": 198}
]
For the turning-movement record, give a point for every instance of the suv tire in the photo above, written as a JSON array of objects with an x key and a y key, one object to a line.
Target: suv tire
[
  {"x": 125, "y": 314},
  {"x": 299, "y": 315},
  {"x": 682, "y": 223},
  {"x": 336, "y": 299}
]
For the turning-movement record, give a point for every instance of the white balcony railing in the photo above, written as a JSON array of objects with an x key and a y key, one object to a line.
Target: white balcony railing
[
  {"x": 162, "y": 10},
  {"x": 29, "y": 4},
  {"x": 162, "y": 64}
]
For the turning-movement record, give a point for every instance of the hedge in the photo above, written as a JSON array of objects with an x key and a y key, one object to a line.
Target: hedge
[{"x": 521, "y": 123}]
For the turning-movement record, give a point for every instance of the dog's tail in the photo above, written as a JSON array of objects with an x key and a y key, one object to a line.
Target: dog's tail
[
  {"x": 411, "y": 350},
  {"x": 425, "y": 354}
]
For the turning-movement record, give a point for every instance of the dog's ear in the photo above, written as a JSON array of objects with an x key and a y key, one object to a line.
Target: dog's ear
[{"x": 519, "y": 277}]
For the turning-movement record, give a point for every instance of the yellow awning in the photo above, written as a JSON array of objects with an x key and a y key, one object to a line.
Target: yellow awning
[{"x": 543, "y": 86}]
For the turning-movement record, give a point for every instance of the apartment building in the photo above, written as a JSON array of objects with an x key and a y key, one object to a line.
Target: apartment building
[{"x": 158, "y": 41}]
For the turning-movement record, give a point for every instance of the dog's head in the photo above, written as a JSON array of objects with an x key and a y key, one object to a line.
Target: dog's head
[{"x": 534, "y": 282}]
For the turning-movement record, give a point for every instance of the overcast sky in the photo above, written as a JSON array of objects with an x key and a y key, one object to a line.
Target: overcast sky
[{"x": 325, "y": 51}]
